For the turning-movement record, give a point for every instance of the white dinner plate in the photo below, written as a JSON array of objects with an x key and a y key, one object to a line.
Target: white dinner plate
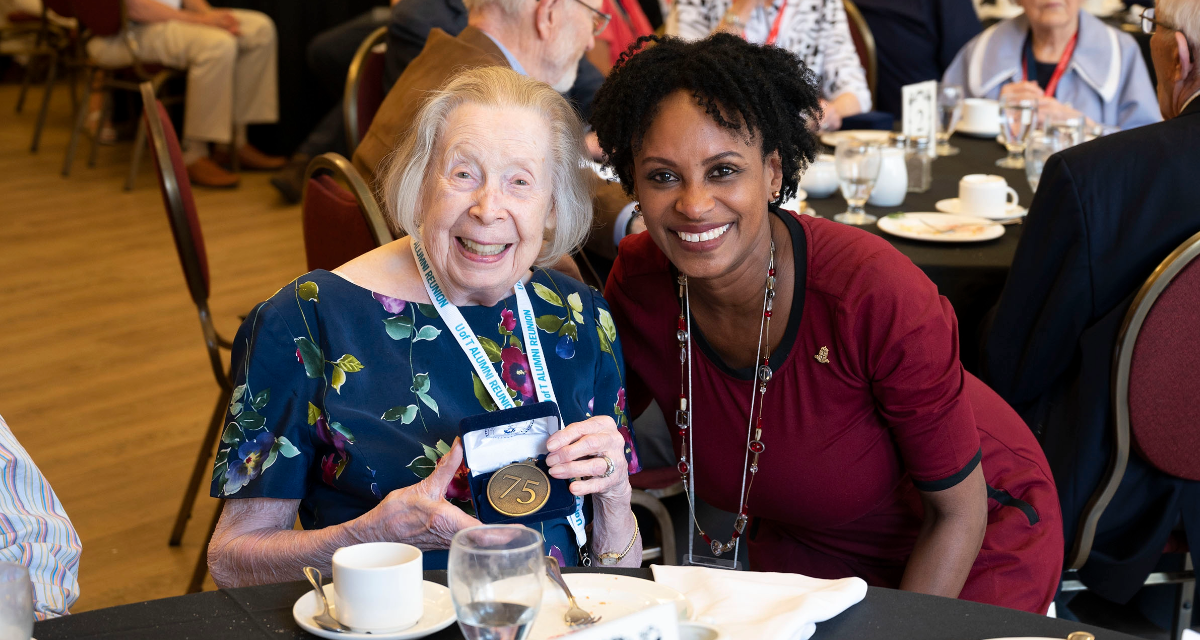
[
  {"x": 977, "y": 133},
  {"x": 940, "y": 227},
  {"x": 439, "y": 614},
  {"x": 832, "y": 138},
  {"x": 606, "y": 595},
  {"x": 954, "y": 205}
]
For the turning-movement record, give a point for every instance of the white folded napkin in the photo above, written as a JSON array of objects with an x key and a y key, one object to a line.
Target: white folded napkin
[{"x": 750, "y": 605}]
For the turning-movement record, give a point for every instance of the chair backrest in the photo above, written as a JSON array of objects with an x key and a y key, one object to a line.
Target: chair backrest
[
  {"x": 1153, "y": 380},
  {"x": 102, "y": 17},
  {"x": 364, "y": 87},
  {"x": 340, "y": 224},
  {"x": 864, "y": 44},
  {"x": 177, "y": 195}
]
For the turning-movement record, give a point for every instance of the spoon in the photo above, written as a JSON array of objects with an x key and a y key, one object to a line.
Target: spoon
[
  {"x": 323, "y": 619},
  {"x": 575, "y": 615}
]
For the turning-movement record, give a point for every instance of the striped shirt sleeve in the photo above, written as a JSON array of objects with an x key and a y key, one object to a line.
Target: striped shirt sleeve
[{"x": 35, "y": 530}]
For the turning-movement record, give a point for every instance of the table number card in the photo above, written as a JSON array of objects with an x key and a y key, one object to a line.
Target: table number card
[
  {"x": 655, "y": 623},
  {"x": 920, "y": 109}
]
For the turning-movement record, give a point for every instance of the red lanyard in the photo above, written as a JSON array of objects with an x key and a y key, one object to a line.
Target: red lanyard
[
  {"x": 1059, "y": 69},
  {"x": 774, "y": 35}
]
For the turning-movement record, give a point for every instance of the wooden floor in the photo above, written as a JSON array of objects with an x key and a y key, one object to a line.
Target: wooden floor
[{"x": 106, "y": 381}]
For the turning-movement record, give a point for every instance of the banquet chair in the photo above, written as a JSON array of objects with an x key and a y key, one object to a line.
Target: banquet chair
[
  {"x": 1153, "y": 377},
  {"x": 340, "y": 223},
  {"x": 189, "y": 243},
  {"x": 104, "y": 18},
  {"x": 864, "y": 44},
  {"x": 364, "y": 87},
  {"x": 53, "y": 43}
]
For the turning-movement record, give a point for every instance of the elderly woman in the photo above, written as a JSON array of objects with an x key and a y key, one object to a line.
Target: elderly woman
[
  {"x": 1063, "y": 57},
  {"x": 815, "y": 30},
  {"x": 815, "y": 374},
  {"x": 351, "y": 385}
]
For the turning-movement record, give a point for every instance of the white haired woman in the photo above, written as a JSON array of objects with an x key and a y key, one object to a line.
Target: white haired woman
[{"x": 351, "y": 385}]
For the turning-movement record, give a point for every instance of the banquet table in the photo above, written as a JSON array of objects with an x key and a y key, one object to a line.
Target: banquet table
[
  {"x": 971, "y": 275},
  {"x": 266, "y": 612}
]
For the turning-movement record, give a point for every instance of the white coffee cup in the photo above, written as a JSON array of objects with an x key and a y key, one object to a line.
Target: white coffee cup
[
  {"x": 980, "y": 115},
  {"x": 378, "y": 586},
  {"x": 820, "y": 180},
  {"x": 985, "y": 195}
]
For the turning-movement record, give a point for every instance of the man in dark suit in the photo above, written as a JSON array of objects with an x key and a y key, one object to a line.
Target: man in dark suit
[
  {"x": 413, "y": 19},
  {"x": 915, "y": 41},
  {"x": 1105, "y": 215}
]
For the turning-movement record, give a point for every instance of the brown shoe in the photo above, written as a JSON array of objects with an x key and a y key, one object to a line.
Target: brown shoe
[
  {"x": 255, "y": 160},
  {"x": 206, "y": 173}
]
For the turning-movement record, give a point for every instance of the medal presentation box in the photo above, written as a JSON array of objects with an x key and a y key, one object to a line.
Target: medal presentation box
[{"x": 506, "y": 454}]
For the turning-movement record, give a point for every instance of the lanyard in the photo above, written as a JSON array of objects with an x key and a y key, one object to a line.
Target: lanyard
[
  {"x": 774, "y": 34},
  {"x": 1029, "y": 70}
]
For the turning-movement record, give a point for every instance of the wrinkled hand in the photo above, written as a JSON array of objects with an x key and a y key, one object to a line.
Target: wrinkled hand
[
  {"x": 419, "y": 514},
  {"x": 831, "y": 120},
  {"x": 1027, "y": 90},
  {"x": 222, "y": 19},
  {"x": 575, "y": 453}
]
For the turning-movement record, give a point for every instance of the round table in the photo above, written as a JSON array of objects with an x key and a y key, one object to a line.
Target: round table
[
  {"x": 266, "y": 612},
  {"x": 970, "y": 275}
]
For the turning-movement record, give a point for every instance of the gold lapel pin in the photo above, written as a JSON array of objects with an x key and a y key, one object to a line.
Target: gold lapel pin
[{"x": 822, "y": 355}]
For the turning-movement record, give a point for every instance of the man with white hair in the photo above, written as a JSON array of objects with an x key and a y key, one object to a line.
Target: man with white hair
[{"x": 1105, "y": 215}]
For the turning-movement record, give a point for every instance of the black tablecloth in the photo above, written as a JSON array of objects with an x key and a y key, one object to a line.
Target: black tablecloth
[{"x": 266, "y": 612}]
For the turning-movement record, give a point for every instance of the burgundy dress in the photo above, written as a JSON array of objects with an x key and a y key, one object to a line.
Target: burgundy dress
[{"x": 849, "y": 442}]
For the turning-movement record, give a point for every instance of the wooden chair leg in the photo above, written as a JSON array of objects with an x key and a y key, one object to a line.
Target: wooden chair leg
[
  {"x": 197, "y": 583},
  {"x": 80, "y": 117},
  {"x": 202, "y": 467},
  {"x": 666, "y": 527},
  {"x": 52, "y": 74}
]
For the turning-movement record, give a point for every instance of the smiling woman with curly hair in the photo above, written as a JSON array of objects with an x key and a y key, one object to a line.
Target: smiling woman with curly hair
[{"x": 815, "y": 373}]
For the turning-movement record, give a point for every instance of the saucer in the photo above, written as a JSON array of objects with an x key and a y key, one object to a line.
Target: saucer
[
  {"x": 951, "y": 205},
  {"x": 439, "y": 614},
  {"x": 977, "y": 133}
]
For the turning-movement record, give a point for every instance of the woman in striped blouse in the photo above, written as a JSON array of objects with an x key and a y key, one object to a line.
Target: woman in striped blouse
[{"x": 815, "y": 30}]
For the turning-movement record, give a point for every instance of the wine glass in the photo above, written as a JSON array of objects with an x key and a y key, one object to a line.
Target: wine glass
[
  {"x": 16, "y": 602},
  {"x": 950, "y": 108},
  {"x": 1038, "y": 149},
  {"x": 495, "y": 579},
  {"x": 1018, "y": 116},
  {"x": 857, "y": 168}
]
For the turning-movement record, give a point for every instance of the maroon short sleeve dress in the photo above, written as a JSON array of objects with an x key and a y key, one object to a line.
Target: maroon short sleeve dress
[{"x": 849, "y": 442}]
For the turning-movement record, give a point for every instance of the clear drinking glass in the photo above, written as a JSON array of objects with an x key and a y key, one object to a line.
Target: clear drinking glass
[
  {"x": 16, "y": 602},
  {"x": 495, "y": 579},
  {"x": 1017, "y": 118},
  {"x": 1069, "y": 128},
  {"x": 857, "y": 167},
  {"x": 950, "y": 108},
  {"x": 1038, "y": 149}
]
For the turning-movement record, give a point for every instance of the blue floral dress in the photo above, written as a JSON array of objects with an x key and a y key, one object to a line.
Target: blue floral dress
[{"x": 343, "y": 395}]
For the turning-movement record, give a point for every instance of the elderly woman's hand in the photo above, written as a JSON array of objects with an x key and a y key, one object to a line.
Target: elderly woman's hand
[
  {"x": 575, "y": 453},
  {"x": 419, "y": 514},
  {"x": 1027, "y": 90}
]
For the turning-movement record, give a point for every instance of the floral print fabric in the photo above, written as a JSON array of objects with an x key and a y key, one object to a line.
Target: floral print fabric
[{"x": 343, "y": 394}]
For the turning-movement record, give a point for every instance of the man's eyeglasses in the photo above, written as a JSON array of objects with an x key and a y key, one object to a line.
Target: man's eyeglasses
[
  {"x": 600, "y": 19},
  {"x": 1149, "y": 24}
]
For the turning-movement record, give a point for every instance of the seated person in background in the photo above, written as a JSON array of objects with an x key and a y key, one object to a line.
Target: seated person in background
[
  {"x": 230, "y": 57},
  {"x": 627, "y": 23},
  {"x": 37, "y": 532},
  {"x": 880, "y": 456},
  {"x": 1065, "y": 58},
  {"x": 488, "y": 182},
  {"x": 1106, "y": 213},
  {"x": 815, "y": 30},
  {"x": 915, "y": 40}
]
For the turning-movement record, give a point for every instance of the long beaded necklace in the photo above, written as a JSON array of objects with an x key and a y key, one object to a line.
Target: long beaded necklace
[{"x": 683, "y": 417}]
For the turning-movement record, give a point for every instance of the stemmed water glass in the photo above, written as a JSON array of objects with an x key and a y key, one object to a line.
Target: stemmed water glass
[
  {"x": 950, "y": 108},
  {"x": 495, "y": 580},
  {"x": 1018, "y": 116},
  {"x": 16, "y": 602},
  {"x": 857, "y": 168},
  {"x": 1038, "y": 149}
]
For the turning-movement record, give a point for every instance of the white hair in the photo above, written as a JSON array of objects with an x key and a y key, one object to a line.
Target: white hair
[
  {"x": 571, "y": 187},
  {"x": 1184, "y": 16}
]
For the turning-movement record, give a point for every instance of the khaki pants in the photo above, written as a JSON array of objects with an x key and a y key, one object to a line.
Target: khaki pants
[{"x": 231, "y": 79}]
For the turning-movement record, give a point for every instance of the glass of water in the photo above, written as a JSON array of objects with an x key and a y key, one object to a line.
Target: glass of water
[
  {"x": 1038, "y": 149},
  {"x": 1018, "y": 117},
  {"x": 495, "y": 579},
  {"x": 1068, "y": 127},
  {"x": 950, "y": 108},
  {"x": 16, "y": 602},
  {"x": 857, "y": 168}
]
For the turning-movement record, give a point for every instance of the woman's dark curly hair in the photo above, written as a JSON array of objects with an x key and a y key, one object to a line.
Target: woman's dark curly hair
[{"x": 768, "y": 89}]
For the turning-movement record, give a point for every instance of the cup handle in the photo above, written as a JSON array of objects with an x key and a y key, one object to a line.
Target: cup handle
[{"x": 1015, "y": 198}]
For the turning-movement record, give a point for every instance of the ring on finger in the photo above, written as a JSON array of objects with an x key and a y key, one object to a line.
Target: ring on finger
[{"x": 608, "y": 471}]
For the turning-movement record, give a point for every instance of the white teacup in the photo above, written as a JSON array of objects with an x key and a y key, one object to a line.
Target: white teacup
[
  {"x": 980, "y": 115},
  {"x": 378, "y": 586},
  {"x": 985, "y": 195},
  {"x": 820, "y": 180}
]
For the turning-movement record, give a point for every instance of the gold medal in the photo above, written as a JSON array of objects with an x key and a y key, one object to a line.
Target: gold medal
[{"x": 518, "y": 489}]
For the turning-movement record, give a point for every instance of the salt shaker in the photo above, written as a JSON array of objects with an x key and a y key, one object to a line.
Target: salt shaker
[{"x": 919, "y": 163}]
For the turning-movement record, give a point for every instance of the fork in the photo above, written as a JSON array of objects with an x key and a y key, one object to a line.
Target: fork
[
  {"x": 575, "y": 615},
  {"x": 323, "y": 619}
]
